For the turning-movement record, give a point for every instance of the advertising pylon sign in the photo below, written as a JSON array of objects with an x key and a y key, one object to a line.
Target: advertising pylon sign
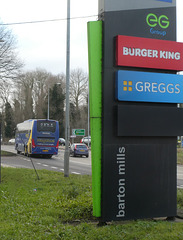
[{"x": 138, "y": 158}]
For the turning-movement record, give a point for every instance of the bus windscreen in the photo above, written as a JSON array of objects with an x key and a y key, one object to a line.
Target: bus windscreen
[{"x": 46, "y": 126}]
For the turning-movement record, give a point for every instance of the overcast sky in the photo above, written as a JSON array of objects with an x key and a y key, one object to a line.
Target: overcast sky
[{"x": 43, "y": 45}]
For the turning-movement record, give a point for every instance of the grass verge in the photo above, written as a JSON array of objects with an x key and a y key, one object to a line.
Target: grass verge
[
  {"x": 55, "y": 207},
  {"x": 180, "y": 156},
  {"x": 7, "y": 154}
]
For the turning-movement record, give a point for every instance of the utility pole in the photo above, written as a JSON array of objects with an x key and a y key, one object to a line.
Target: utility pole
[
  {"x": 67, "y": 121},
  {"x": 1, "y": 41},
  {"x": 48, "y": 114}
]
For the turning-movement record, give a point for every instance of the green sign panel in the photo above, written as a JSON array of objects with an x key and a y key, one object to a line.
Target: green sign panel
[{"x": 78, "y": 132}]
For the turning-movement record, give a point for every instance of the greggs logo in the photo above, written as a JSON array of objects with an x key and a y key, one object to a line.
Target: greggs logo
[{"x": 127, "y": 86}]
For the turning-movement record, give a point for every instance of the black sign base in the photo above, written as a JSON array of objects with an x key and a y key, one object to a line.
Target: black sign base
[{"x": 140, "y": 182}]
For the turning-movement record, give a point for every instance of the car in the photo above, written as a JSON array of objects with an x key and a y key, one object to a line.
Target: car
[
  {"x": 62, "y": 141},
  {"x": 12, "y": 140},
  {"x": 86, "y": 140},
  {"x": 79, "y": 149}
]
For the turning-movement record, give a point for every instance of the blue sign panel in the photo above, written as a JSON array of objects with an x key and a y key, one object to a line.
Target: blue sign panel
[
  {"x": 149, "y": 87},
  {"x": 165, "y": 1}
]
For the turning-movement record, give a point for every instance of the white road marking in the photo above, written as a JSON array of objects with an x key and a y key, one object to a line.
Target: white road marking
[
  {"x": 88, "y": 164},
  {"x": 45, "y": 165},
  {"x": 76, "y": 173},
  {"x": 54, "y": 167},
  {"x": 26, "y": 159}
]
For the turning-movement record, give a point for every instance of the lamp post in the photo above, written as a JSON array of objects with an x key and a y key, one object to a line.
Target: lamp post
[
  {"x": 1, "y": 41},
  {"x": 67, "y": 125},
  {"x": 48, "y": 116}
]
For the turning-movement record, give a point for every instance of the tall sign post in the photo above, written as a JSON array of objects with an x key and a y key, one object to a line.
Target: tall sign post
[
  {"x": 139, "y": 118},
  {"x": 67, "y": 121}
]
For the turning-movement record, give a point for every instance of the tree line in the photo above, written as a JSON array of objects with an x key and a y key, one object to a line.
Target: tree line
[{"x": 25, "y": 94}]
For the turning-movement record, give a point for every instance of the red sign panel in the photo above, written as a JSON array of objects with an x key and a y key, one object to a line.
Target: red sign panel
[{"x": 149, "y": 53}]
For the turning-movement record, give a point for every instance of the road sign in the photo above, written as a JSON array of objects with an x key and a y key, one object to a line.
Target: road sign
[{"x": 78, "y": 132}]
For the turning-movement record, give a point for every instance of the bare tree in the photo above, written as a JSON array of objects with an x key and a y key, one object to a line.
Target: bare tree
[
  {"x": 18, "y": 116},
  {"x": 5, "y": 89},
  {"x": 78, "y": 87},
  {"x": 10, "y": 65},
  {"x": 32, "y": 92},
  {"x": 26, "y": 82},
  {"x": 44, "y": 81},
  {"x": 78, "y": 96},
  {"x": 40, "y": 91}
]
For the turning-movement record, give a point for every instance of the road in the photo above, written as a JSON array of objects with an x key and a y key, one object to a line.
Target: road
[
  {"x": 56, "y": 163},
  {"x": 77, "y": 165}
]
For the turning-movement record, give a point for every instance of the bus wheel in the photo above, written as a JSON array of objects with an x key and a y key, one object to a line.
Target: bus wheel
[{"x": 49, "y": 156}]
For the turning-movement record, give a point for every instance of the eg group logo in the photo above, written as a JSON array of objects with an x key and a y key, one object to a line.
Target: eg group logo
[
  {"x": 158, "y": 24},
  {"x": 161, "y": 21},
  {"x": 148, "y": 87}
]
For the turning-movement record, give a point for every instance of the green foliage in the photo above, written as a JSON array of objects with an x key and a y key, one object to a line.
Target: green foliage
[
  {"x": 57, "y": 98},
  {"x": 8, "y": 121},
  {"x": 55, "y": 207},
  {"x": 180, "y": 199}
]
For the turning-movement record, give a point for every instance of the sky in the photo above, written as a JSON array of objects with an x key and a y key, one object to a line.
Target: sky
[{"x": 43, "y": 45}]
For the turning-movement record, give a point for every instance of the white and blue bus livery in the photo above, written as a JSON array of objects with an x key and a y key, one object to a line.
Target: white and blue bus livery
[{"x": 37, "y": 137}]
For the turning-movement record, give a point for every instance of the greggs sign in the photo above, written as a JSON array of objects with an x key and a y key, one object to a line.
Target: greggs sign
[
  {"x": 149, "y": 53},
  {"x": 148, "y": 87}
]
